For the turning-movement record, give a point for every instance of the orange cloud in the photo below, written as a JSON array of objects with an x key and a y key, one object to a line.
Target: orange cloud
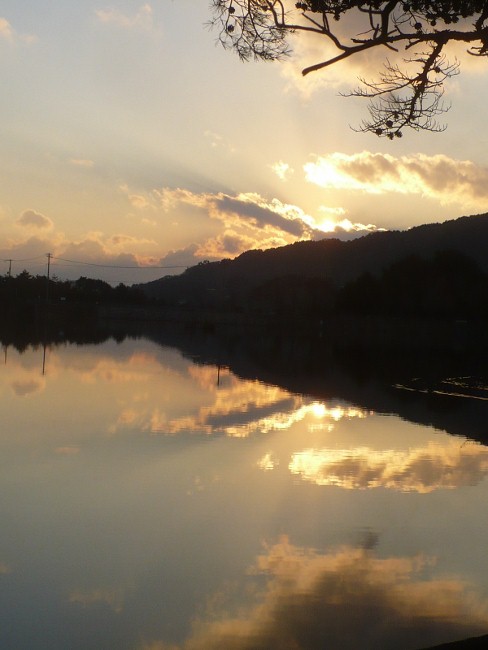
[
  {"x": 346, "y": 599},
  {"x": 422, "y": 470},
  {"x": 438, "y": 177},
  {"x": 251, "y": 221}
]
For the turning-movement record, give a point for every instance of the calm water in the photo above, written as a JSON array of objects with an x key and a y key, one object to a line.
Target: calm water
[{"x": 148, "y": 502}]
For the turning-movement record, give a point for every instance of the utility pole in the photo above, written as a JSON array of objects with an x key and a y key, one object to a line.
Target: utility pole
[
  {"x": 9, "y": 268},
  {"x": 48, "y": 269}
]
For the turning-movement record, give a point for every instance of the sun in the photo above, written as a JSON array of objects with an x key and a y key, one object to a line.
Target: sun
[{"x": 330, "y": 225}]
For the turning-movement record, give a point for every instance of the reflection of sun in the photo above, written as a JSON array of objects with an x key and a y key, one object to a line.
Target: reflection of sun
[{"x": 318, "y": 409}]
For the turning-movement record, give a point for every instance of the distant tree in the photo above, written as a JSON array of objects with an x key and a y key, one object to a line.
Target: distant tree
[{"x": 402, "y": 96}]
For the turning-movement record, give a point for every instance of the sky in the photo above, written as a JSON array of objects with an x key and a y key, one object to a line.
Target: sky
[{"x": 134, "y": 146}]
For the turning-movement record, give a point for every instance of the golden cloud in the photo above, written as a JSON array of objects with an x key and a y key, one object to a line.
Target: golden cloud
[
  {"x": 422, "y": 470},
  {"x": 250, "y": 221},
  {"x": 438, "y": 177},
  {"x": 240, "y": 408},
  {"x": 346, "y": 599}
]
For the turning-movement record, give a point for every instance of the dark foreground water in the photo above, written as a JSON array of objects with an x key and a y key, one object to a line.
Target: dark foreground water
[{"x": 150, "y": 501}]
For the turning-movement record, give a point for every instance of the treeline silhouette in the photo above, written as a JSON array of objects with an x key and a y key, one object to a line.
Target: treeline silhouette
[
  {"x": 26, "y": 288},
  {"x": 449, "y": 285}
]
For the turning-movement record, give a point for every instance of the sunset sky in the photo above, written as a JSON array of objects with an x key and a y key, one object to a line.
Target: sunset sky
[{"x": 130, "y": 138}]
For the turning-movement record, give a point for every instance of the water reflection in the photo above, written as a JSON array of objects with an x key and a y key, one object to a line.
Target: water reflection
[
  {"x": 346, "y": 598},
  {"x": 138, "y": 487},
  {"x": 421, "y": 469}
]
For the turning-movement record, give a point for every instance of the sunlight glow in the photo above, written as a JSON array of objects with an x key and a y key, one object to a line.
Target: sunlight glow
[{"x": 421, "y": 470}]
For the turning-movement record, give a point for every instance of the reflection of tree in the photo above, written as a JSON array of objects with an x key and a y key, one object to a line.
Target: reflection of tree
[{"x": 343, "y": 600}]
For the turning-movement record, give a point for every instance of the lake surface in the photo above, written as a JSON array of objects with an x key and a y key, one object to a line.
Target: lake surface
[{"x": 149, "y": 501}]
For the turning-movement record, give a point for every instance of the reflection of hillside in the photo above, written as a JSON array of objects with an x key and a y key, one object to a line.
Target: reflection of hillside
[{"x": 311, "y": 366}]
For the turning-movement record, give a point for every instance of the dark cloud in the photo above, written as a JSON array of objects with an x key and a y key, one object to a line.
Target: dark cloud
[
  {"x": 261, "y": 216},
  {"x": 182, "y": 257}
]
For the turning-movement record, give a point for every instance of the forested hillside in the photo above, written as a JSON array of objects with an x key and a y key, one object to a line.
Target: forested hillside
[{"x": 381, "y": 271}]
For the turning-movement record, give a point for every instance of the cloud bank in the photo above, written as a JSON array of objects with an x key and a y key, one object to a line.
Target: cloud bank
[
  {"x": 437, "y": 177},
  {"x": 345, "y": 599}
]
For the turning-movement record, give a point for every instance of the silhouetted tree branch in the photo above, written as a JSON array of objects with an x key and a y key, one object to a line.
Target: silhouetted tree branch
[{"x": 403, "y": 96}]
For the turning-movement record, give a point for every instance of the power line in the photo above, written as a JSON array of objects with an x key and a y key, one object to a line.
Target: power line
[
  {"x": 119, "y": 266},
  {"x": 107, "y": 266},
  {"x": 25, "y": 259}
]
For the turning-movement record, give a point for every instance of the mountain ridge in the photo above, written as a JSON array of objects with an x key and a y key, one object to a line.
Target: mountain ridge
[{"x": 332, "y": 260}]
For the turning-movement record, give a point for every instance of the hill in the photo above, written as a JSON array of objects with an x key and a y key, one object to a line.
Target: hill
[{"x": 319, "y": 265}]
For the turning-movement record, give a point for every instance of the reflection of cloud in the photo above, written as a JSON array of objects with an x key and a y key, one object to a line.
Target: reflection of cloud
[
  {"x": 242, "y": 408},
  {"x": 267, "y": 462},
  {"x": 420, "y": 470},
  {"x": 238, "y": 410},
  {"x": 343, "y": 600},
  {"x": 67, "y": 451},
  {"x": 4, "y": 568},
  {"x": 24, "y": 387},
  {"x": 111, "y": 371},
  {"x": 438, "y": 177},
  {"x": 114, "y": 598}
]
